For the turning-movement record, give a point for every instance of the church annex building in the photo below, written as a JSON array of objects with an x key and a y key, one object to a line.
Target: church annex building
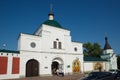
[{"x": 50, "y": 48}]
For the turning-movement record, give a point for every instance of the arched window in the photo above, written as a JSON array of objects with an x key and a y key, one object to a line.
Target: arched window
[
  {"x": 55, "y": 44},
  {"x": 75, "y": 49},
  {"x": 60, "y": 45}
]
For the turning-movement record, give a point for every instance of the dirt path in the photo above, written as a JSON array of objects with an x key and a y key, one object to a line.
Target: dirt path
[{"x": 66, "y": 77}]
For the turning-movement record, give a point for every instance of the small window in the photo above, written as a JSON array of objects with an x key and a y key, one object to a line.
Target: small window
[
  {"x": 1, "y": 53},
  {"x": 33, "y": 45},
  {"x": 57, "y": 39},
  {"x": 75, "y": 49},
  {"x": 55, "y": 44},
  {"x": 60, "y": 45}
]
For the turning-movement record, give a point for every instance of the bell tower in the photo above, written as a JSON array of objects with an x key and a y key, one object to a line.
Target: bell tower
[{"x": 109, "y": 55}]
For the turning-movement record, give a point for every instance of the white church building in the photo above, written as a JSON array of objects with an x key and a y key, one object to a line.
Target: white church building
[{"x": 48, "y": 49}]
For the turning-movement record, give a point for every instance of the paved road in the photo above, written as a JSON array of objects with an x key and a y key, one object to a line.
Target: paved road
[{"x": 66, "y": 77}]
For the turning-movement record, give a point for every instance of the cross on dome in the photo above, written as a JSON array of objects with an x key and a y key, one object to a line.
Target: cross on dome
[{"x": 51, "y": 15}]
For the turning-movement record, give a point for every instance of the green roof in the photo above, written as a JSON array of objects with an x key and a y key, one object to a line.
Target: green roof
[
  {"x": 86, "y": 58},
  {"x": 9, "y": 51},
  {"x": 52, "y": 23}
]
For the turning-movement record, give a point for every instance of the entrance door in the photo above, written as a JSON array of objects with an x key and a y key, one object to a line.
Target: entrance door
[
  {"x": 32, "y": 68},
  {"x": 54, "y": 67}
]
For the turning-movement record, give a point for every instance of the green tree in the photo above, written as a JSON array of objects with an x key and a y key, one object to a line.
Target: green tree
[{"x": 93, "y": 50}]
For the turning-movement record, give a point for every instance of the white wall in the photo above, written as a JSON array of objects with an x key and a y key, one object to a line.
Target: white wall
[
  {"x": 45, "y": 42},
  {"x": 88, "y": 66},
  {"x": 45, "y": 60},
  {"x": 25, "y": 41}
]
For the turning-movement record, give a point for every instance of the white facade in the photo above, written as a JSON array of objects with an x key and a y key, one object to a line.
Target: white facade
[
  {"x": 111, "y": 57},
  {"x": 44, "y": 51}
]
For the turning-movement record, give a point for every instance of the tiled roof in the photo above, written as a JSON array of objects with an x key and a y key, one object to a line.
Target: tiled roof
[
  {"x": 9, "y": 51},
  {"x": 86, "y": 58}
]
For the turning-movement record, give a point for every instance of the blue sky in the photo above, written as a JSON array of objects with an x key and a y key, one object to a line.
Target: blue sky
[{"x": 88, "y": 20}]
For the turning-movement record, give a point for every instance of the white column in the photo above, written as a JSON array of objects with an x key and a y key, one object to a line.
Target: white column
[{"x": 9, "y": 65}]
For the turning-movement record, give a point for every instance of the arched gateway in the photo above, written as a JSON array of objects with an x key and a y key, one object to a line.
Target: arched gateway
[
  {"x": 32, "y": 68},
  {"x": 57, "y": 63},
  {"x": 98, "y": 66}
]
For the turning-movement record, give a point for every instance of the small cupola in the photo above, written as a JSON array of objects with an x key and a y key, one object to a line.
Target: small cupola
[
  {"x": 51, "y": 21},
  {"x": 107, "y": 46},
  {"x": 51, "y": 16}
]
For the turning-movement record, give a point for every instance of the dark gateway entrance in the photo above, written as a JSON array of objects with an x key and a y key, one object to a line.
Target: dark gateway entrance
[
  {"x": 32, "y": 68},
  {"x": 54, "y": 67}
]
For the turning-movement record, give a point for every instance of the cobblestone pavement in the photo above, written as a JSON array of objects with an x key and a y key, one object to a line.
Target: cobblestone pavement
[{"x": 66, "y": 77}]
